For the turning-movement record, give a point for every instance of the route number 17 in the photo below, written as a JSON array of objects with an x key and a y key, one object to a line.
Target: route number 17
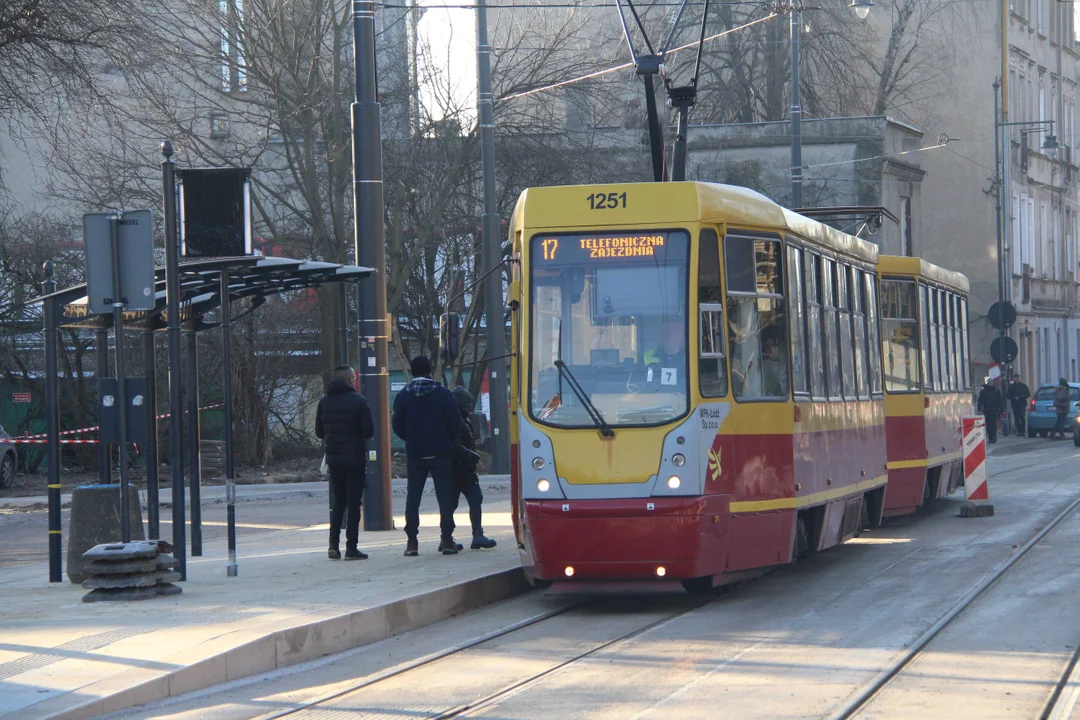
[{"x": 610, "y": 201}]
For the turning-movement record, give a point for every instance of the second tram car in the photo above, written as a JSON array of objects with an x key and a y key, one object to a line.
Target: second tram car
[
  {"x": 696, "y": 389},
  {"x": 924, "y": 332}
]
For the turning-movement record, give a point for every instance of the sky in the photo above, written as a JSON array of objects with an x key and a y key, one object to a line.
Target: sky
[{"x": 451, "y": 35}]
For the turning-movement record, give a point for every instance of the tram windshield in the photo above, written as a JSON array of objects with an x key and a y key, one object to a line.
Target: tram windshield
[{"x": 612, "y": 308}]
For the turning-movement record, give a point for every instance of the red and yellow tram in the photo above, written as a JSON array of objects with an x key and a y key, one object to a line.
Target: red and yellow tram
[
  {"x": 696, "y": 387},
  {"x": 924, "y": 332}
]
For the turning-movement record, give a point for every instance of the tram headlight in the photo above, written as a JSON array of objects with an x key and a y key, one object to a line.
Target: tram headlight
[
  {"x": 569, "y": 571},
  {"x": 674, "y": 482},
  {"x": 538, "y": 463},
  {"x": 661, "y": 571},
  {"x": 678, "y": 459},
  {"x": 543, "y": 485}
]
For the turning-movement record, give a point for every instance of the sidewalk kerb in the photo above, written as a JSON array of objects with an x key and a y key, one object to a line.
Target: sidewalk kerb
[{"x": 282, "y": 648}]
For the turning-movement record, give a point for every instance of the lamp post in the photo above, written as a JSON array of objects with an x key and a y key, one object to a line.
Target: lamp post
[{"x": 794, "y": 9}]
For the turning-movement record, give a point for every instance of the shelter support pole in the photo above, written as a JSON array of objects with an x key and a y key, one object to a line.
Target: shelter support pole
[
  {"x": 191, "y": 364},
  {"x": 226, "y": 391},
  {"x": 52, "y": 426},
  {"x": 101, "y": 354},
  {"x": 121, "y": 389},
  {"x": 172, "y": 293},
  {"x": 153, "y": 504}
]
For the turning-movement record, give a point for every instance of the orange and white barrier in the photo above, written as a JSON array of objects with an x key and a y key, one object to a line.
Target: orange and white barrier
[{"x": 976, "y": 489}]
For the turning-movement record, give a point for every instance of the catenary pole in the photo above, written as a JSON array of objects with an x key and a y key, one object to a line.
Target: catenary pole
[
  {"x": 796, "y": 111},
  {"x": 492, "y": 253},
  {"x": 371, "y": 251}
]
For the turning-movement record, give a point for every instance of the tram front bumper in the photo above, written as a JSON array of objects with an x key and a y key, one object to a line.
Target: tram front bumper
[{"x": 628, "y": 539}]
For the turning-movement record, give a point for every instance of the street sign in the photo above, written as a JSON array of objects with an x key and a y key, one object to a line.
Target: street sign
[
  {"x": 20, "y": 397},
  {"x": 109, "y": 411},
  {"x": 136, "y": 240},
  {"x": 1010, "y": 350},
  {"x": 215, "y": 212},
  {"x": 1002, "y": 315}
]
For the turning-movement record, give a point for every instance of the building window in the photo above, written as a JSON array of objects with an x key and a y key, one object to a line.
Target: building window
[
  {"x": 233, "y": 62},
  {"x": 906, "y": 234},
  {"x": 219, "y": 126}
]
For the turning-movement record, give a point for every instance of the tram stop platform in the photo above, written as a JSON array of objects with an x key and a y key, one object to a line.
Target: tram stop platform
[{"x": 62, "y": 658}]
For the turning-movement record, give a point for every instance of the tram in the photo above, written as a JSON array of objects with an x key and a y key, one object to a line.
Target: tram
[
  {"x": 924, "y": 332},
  {"x": 696, "y": 384}
]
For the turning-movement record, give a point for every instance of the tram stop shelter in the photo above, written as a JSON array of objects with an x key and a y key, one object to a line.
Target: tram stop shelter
[{"x": 204, "y": 283}]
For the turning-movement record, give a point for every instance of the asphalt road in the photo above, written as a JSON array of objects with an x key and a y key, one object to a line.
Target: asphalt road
[{"x": 796, "y": 643}]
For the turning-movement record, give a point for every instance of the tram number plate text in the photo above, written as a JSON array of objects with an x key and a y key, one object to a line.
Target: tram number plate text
[{"x": 608, "y": 201}]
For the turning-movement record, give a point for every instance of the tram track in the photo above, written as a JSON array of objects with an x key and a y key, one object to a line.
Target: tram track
[
  {"x": 322, "y": 706},
  {"x": 1066, "y": 690}
]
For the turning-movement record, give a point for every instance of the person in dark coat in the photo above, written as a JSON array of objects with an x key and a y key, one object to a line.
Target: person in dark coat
[
  {"x": 1018, "y": 398},
  {"x": 1061, "y": 408},
  {"x": 343, "y": 422},
  {"x": 427, "y": 418},
  {"x": 990, "y": 405},
  {"x": 463, "y": 466}
]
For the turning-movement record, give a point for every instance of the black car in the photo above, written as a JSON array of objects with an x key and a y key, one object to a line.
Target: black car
[{"x": 7, "y": 460}]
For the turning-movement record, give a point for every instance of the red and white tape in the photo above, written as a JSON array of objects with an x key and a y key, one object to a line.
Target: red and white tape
[
  {"x": 95, "y": 428},
  {"x": 42, "y": 441},
  {"x": 975, "y": 485}
]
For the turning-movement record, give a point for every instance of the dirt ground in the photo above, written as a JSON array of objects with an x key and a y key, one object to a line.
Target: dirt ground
[{"x": 288, "y": 471}]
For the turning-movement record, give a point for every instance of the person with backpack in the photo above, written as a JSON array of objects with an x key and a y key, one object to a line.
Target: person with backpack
[
  {"x": 463, "y": 465},
  {"x": 1061, "y": 407},
  {"x": 343, "y": 422},
  {"x": 428, "y": 420}
]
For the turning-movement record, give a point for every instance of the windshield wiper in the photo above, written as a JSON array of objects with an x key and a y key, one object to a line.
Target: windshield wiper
[{"x": 594, "y": 414}]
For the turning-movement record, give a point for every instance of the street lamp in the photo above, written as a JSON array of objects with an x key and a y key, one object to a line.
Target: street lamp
[{"x": 794, "y": 9}]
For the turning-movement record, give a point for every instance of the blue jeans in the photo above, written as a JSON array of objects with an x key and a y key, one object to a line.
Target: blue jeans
[{"x": 417, "y": 470}]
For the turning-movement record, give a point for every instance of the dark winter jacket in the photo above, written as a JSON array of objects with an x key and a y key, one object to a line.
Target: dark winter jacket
[
  {"x": 990, "y": 400},
  {"x": 426, "y": 418},
  {"x": 1018, "y": 394},
  {"x": 343, "y": 422},
  {"x": 1061, "y": 399},
  {"x": 464, "y": 460}
]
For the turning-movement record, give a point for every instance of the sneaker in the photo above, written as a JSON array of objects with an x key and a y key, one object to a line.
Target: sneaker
[
  {"x": 334, "y": 554},
  {"x": 448, "y": 547},
  {"x": 354, "y": 554},
  {"x": 479, "y": 542},
  {"x": 411, "y": 548}
]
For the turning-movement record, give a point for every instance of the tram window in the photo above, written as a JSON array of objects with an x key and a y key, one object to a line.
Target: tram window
[
  {"x": 940, "y": 382},
  {"x": 924, "y": 324},
  {"x": 712, "y": 371},
  {"x": 847, "y": 341},
  {"x": 900, "y": 331},
  {"x": 816, "y": 358},
  {"x": 757, "y": 326},
  {"x": 798, "y": 321},
  {"x": 965, "y": 363},
  {"x": 954, "y": 344},
  {"x": 859, "y": 332},
  {"x": 944, "y": 342},
  {"x": 873, "y": 341},
  {"x": 832, "y": 358}
]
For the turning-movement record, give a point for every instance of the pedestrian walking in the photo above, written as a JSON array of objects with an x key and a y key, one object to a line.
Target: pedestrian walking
[
  {"x": 466, "y": 481},
  {"x": 343, "y": 422},
  {"x": 990, "y": 405},
  {"x": 1018, "y": 398},
  {"x": 428, "y": 420},
  {"x": 1061, "y": 407}
]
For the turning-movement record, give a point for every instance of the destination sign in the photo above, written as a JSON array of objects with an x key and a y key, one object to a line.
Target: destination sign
[{"x": 572, "y": 249}]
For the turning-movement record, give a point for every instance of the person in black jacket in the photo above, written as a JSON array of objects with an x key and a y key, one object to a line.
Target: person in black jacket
[
  {"x": 463, "y": 466},
  {"x": 990, "y": 404},
  {"x": 427, "y": 419},
  {"x": 1018, "y": 397},
  {"x": 343, "y": 422}
]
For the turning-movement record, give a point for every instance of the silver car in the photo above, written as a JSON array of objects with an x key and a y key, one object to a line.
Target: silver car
[{"x": 7, "y": 460}]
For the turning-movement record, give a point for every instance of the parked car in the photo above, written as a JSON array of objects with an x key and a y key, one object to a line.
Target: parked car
[
  {"x": 1042, "y": 418},
  {"x": 7, "y": 460}
]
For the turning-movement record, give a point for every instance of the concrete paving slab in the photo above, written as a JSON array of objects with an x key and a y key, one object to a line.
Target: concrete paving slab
[{"x": 60, "y": 658}]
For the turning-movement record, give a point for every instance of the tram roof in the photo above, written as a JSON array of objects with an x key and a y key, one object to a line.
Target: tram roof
[
  {"x": 566, "y": 206},
  {"x": 917, "y": 267}
]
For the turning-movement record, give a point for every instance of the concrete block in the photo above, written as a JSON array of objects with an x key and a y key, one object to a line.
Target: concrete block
[
  {"x": 252, "y": 658},
  {"x": 129, "y": 594},
  {"x": 969, "y": 510},
  {"x": 138, "y": 565},
  {"x": 95, "y": 519},
  {"x": 313, "y": 640},
  {"x": 369, "y": 625},
  {"x": 198, "y": 675},
  {"x": 131, "y": 580}
]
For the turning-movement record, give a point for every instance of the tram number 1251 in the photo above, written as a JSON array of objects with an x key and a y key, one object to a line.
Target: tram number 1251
[{"x": 609, "y": 201}]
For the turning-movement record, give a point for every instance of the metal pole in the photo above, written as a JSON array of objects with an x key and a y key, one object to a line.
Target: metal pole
[
  {"x": 153, "y": 504},
  {"x": 121, "y": 391},
  {"x": 678, "y": 163},
  {"x": 1001, "y": 255},
  {"x": 191, "y": 365},
  {"x": 371, "y": 251},
  {"x": 656, "y": 140},
  {"x": 101, "y": 350},
  {"x": 492, "y": 253},
  {"x": 796, "y": 110},
  {"x": 172, "y": 298},
  {"x": 226, "y": 391},
  {"x": 52, "y": 426},
  {"x": 343, "y": 324}
]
